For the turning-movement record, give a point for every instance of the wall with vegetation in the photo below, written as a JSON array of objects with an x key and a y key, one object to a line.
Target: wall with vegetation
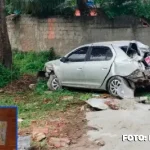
[{"x": 28, "y": 33}]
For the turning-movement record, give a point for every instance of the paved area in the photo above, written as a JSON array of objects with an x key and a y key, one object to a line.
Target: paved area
[{"x": 111, "y": 125}]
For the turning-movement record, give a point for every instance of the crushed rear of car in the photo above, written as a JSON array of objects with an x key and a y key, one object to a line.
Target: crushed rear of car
[{"x": 140, "y": 53}]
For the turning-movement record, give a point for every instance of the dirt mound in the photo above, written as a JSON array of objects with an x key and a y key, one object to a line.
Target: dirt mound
[{"x": 20, "y": 85}]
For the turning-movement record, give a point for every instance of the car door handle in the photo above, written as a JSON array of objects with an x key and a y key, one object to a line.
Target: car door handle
[{"x": 79, "y": 69}]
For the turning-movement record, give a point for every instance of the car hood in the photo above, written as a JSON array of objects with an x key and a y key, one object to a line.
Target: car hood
[{"x": 51, "y": 63}]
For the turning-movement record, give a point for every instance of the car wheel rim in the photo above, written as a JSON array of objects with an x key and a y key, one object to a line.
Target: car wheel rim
[
  {"x": 55, "y": 83},
  {"x": 114, "y": 85}
]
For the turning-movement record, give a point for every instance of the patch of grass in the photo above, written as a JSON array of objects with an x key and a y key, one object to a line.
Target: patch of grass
[
  {"x": 25, "y": 63},
  {"x": 35, "y": 106},
  {"x": 85, "y": 97},
  {"x": 6, "y": 75},
  {"x": 32, "y": 62},
  {"x": 41, "y": 86}
]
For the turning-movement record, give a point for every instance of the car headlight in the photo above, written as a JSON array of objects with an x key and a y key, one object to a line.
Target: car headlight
[{"x": 48, "y": 70}]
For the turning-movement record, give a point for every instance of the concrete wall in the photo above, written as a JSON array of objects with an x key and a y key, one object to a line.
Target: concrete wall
[{"x": 29, "y": 33}]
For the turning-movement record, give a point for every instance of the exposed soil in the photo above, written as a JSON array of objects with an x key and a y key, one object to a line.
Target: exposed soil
[
  {"x": 70, "y": 124},
  {"x": 20, "y": 85}
]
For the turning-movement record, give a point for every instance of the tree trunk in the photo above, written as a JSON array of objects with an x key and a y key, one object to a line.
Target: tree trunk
[{"x": 5, "y": 47}]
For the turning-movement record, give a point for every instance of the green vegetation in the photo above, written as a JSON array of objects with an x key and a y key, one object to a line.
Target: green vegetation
[
  {"x": 31, "y": 62},
  {"x": 6, "y": 76},
  {"x": 45, "y": 8},
  {"x": 115, "y": 8},
  {"x": 37, "y": 103},
  {"x": 33, "y": 106},
  {"x": 25, "y": 63},
  {"x": 41, "y": 8}
]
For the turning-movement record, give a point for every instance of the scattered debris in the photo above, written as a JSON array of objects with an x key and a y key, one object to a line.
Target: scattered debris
[
  {"x": 92, "y": 128},
  {"x": 143, "y": 99},
  {"x": 32, "y": 86},
  {"x": 104, "y": 104},
  {"x": 106, "y": 96},
  {"x": 1, "y": 91},
  {"x": 82, "y": 108},
  {"x": 112, "y": 103},
  {"x": 67, "y": 98},
  {"x": 100, "y": 142},
  {"x": 20, "y": 120},
  {"x": 101, "y": 95},
  {"x": 38, "y": 134},
  {"x": 95, "y": 95},
  {"x": 24, "y": 142},
  {"x": 97, "y": 103},
  {"x": 39, "y": 137},
  {"x": 59, "y": 142}
]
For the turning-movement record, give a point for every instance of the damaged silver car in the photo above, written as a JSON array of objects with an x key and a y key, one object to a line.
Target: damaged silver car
[{"x": 101, "y": 66}]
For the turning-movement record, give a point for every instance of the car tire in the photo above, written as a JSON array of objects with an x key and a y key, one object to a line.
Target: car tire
[
  {"x": 113, "y": 84},
  {"x": 53, "y": 83}
]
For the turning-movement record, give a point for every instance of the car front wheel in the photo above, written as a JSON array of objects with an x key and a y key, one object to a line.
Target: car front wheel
[{"x": 53, "y": 83}]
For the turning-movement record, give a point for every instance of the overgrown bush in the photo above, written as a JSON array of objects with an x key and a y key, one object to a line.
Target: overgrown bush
[
  {"x": 40, "y": 8},
  {"x": 6, "y": 75},
  {"x": 45, "y": 8},
  {"x": 25, "y": 63},
  {"x": 32, "y": 62},
  {"x": 41, "y": 87},
  {"x": 113, "y": 8},
  {"x": 67, "y": 9}
]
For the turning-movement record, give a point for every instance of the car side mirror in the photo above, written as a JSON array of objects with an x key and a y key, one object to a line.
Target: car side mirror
[{"x": 64, "y": 59}]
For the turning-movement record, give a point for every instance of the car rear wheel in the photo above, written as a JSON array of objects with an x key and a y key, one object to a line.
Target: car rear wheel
[
  {"x": 113, "y": 85},
  {"x": 53, "y": 83}
]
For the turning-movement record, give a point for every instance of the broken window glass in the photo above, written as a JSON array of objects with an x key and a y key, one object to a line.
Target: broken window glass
[{"x": 131, "y": 50}]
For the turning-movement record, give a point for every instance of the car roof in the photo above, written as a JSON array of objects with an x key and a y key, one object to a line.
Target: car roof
[{"x": 117, "y": 43}]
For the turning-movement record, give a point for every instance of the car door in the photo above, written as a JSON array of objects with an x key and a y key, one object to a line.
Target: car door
[
  {"x": 98, "y": 65},
  {"x": 72, "y": 70}
]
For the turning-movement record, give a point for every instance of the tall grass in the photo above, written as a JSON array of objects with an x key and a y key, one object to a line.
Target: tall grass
[
  {"x": 6, "y": 75},
  {"x": 32, "y": 62},
  {"x": 25, "y": 63}
]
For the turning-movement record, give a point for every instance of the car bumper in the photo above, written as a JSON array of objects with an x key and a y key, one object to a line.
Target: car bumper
[
  {"x": 140, "y": 78},
  {"x": 42, "y": 74}
]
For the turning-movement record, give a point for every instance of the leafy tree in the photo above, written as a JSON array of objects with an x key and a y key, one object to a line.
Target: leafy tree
[
  {"x": 5, "y": 48},
  {"x": 45, "y": 8},
  {"x": 41, "y": 8},
  {"x": 115, "y": 8}
]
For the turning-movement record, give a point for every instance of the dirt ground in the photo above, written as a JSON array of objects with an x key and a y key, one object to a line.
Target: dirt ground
[
  {"x": 71, "y": 124},
  {"x": 21, "y": 85},
  {"x": 89, "y": 129}
]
